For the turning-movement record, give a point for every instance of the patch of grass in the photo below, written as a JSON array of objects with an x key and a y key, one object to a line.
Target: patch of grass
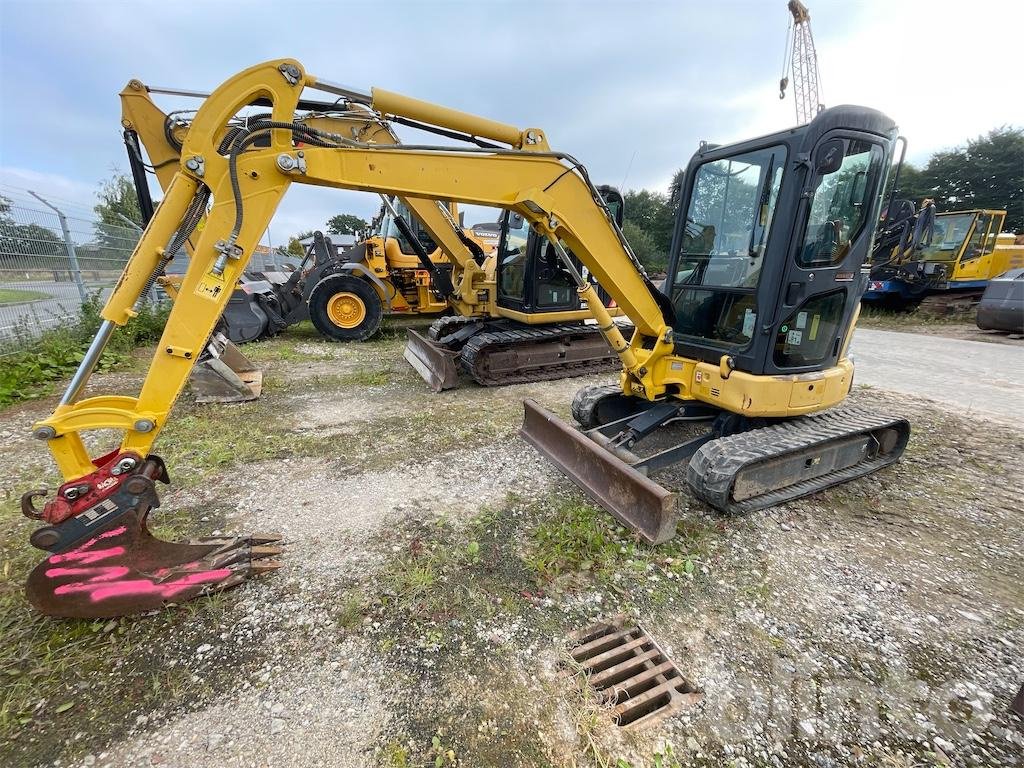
[
  {"x": 213, "y": 437},
  {"x": 578, "y": 538},
  {"x": 19, "y": 295},
  {"x": 37, "y": 363},
  {"x": 893, "y": 319},
  {"x": 394, "y": 755},
  {"x": 350, "y": 613}
]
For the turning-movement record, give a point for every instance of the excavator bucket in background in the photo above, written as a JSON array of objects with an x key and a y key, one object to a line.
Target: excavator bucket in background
[
  {"x": 224, "y": 374},
  {"x": 634, "y": 499},
  {"x": 433, "y": 362},
  {"x": 106, "y": 563}
]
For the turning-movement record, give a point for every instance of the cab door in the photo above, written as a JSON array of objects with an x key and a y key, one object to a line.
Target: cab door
[{"x": 823, "y": 279}]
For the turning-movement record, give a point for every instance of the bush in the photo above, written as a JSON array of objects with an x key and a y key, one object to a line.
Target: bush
[{"x": 36, "y": 364}]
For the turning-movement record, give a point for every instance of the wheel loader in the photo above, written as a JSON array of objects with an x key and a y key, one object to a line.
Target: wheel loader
[
  {"x": 515, "y": 319},
  {"x": 750, "y": 338}
]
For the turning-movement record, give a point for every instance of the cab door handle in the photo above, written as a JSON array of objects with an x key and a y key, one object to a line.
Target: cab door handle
[{"x": 794, "y": 292}]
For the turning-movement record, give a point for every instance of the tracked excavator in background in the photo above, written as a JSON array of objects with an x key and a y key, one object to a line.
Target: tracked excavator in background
[
  {"x": 514, "y": 319},
  {"x": 750, "y": 339},
  {"x": 938, "y": 262}
]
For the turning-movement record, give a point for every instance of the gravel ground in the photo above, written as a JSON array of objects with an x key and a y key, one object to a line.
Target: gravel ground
[{"x": 880, "y": 623}]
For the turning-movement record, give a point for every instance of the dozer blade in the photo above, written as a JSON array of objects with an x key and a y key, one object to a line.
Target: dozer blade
[
  {"x": 104, "y": 562},
  {"x": 434, "y": 363},
  {"x": 225, "y": 375},
  {"x": 635, "y": 500}
]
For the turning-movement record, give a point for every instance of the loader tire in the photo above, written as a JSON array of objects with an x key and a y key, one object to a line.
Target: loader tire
[{"x": 345, "y": 308}]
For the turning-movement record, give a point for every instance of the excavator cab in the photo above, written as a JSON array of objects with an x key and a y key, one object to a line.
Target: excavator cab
[
  {"x": 530, "y": 274},
  {"x": 768, "y": 246}
]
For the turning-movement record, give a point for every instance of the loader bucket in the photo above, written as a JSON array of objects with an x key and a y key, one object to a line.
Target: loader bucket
[
  {"x": 434, "y": 363},
  {"x": 635, "y": 500},
  {"x": 104, "y": 562},
  {"x": 225, "y": 375}
]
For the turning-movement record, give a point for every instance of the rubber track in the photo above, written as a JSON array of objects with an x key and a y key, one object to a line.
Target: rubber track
[
  {"x": 448, "y": 324},
  {"x": 474, "y": 355},
  {"x": 713, "y": 469},
  {"x": 586, "y": 400}
]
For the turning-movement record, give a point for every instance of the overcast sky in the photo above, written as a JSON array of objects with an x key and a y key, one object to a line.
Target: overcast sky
[{"x": 629, "y": 88}]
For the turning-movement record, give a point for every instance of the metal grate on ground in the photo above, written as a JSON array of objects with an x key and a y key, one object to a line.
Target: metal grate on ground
[{"x": 631, "y": 674}]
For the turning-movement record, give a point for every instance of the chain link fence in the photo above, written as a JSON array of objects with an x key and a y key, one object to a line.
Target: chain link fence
[{"x": 51, "y": 262}]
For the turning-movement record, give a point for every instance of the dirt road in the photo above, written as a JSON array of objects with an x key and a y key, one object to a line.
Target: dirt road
[{"x": 971, "y": 376}]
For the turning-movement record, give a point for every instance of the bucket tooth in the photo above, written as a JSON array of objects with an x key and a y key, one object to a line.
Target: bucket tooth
[
  {"x": 225, "y": 375},
  {"x": 635, "y": 500},
  {"x": 435, "y": 364}
]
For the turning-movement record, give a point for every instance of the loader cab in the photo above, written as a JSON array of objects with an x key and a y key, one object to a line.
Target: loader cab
[
  {"x": 387, "y": 228},
  {"x": 530, "y": 275},
  {"x": 770, "y": 239}
]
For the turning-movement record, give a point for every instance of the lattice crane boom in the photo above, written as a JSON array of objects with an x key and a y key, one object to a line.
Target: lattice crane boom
[{"x": 801, "y": 61}]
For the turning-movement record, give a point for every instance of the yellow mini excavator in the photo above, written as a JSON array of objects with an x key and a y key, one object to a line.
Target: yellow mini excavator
[
  {"x": 751, "y": 337},
  {"x": 515, "y": 319}
]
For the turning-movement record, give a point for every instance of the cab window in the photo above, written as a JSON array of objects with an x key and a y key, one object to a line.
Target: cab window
[
  {"x": 392, "y": 230},
  {"x": 841, "y": 205},
  {"x": 809, "y": 335},
  {"x": 512, "y": 256},
  {"x": 722, "y": 248},
  {"x": 982, "y": 241}
]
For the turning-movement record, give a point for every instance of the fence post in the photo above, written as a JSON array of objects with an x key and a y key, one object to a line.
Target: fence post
[{"x": 69, "y": 245}]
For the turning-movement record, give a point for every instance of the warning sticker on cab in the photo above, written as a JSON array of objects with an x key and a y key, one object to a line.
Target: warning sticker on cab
[
  {"x": 210, "y": 286},
  {"x": 794, "y": 337}
]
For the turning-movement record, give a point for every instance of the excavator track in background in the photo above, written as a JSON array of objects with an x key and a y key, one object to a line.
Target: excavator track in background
[
  {"x": 771, "y": 465},
  {"x": 951, "y": 303},
  {"x": 497, "y": 352},
  {"x": 526, "y": 354}
]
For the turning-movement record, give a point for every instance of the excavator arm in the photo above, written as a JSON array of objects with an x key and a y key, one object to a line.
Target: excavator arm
[
  {"x": 163, "y": 137},
  {"x": 245, "y": 169}
]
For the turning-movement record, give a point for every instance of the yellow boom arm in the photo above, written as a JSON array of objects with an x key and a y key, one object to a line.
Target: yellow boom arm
[
  {"x": 156, "y": 129},
  {"x": 549, "y": 189}
]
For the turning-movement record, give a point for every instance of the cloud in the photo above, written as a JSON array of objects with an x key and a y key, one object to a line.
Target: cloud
[{"x": 620, "y": 85}]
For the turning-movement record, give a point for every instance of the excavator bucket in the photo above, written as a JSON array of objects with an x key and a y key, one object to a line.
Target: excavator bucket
[
  {"x": 635, "y": 500},
  {"x": 432, "y": 362},
  {"x": 224, "y": 374},
  {"x": 104, "y": 562}
]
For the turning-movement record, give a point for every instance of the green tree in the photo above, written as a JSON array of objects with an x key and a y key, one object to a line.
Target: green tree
[
  {"x": 27, "y": 246},
  {"x": 296, "y": 248},
  {"x": 117, "y": 198},
  {"x": 654, "y": 258},
  {"x": 986, "y": 172},
  {"x": 345, "y": 224}
]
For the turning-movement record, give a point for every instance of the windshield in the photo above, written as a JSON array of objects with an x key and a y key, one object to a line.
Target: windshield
[
  {"x": 943, "y": 241},
  {"x": 725, "y": 236},
  {"x": 512, "y": 256},
  {"x": 729, "y": 218},
  {"x": 840, "y": 205},
  {"x": 390, "y": 229}
]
